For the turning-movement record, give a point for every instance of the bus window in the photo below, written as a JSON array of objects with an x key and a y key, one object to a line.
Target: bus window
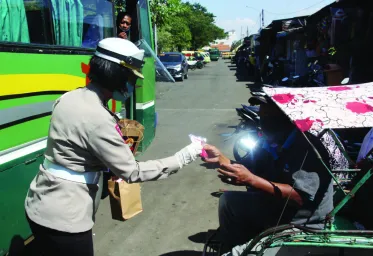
[
  {"x": 13, "y": 22},
  {"x": 145, "y": 25},
  {"x": 76, "y": 23}
]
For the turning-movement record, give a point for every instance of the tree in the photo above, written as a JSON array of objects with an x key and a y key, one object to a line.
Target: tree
[
  {"x": 190, "y": 25},
  {"x": 164, "y": 39},
  {"x": 120, "y": 6},
  {"x": 201, "y": 25},
  {"x": 181, "y": 35},
  {"x": 235, "y": 44},
  {"x": 162, "y": 10}
]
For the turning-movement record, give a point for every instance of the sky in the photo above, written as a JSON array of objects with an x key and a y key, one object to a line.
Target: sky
[{"x": 244, "y": 14}]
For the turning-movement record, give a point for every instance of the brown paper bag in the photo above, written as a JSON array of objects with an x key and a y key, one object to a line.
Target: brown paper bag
[
  {"x": 133, "y": 133},
  {"x": 125, "y": 199}
]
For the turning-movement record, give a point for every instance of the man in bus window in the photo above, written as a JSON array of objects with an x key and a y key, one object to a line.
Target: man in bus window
[{"x": 124, "y": 21}]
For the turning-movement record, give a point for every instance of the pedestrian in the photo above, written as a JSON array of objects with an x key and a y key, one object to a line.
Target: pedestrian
[
  {"x": 83, "y": 140},
  {"x": 124, "y": 21}
]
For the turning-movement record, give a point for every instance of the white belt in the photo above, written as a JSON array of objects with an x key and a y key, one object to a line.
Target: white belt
[{"x": 67, "y": 174}]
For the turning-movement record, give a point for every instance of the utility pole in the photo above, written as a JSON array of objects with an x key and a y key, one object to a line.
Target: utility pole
[
  {"x": 247, "y": 31},
  {"x": 241, "y": 33},
  {"x": 262, "y": 18}
]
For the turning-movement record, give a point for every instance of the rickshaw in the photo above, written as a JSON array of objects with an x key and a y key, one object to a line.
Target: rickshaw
[{"x": 319, "y": 111}]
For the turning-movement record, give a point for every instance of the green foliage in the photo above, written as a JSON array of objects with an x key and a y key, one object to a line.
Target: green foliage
[
  {"x": 175, "y": 37},
  {"x": 202, "y": 25},
  {"x": 120, "y": 6},
  {"x": 164, "y": 39},
  {"x": 181, "y": 35},
  {"x": 183, "y": 25},
  {"x": 164, "y": 10}
]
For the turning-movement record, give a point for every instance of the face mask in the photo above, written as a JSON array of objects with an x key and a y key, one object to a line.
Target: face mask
[
  {"x": 124, "y": 30},
  {"x": 122, "y": 96}
]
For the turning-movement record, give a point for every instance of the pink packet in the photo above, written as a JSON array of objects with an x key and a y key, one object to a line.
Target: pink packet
[{"x": 196, "y": 139}]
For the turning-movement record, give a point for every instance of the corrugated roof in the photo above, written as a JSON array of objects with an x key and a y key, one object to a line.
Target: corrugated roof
[{"x": 222, "y": 47}]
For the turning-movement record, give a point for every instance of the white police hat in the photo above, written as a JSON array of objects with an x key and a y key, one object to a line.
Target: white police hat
[{"x": 123, "y": 52}]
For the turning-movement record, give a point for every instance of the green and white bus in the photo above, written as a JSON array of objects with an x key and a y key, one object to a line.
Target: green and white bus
[
  {"x": 214, "y": 54},
  {"x": 45, "y": 46}
]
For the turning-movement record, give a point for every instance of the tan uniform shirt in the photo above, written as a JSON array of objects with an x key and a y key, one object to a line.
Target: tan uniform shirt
[{"x": 83, "y": 137}]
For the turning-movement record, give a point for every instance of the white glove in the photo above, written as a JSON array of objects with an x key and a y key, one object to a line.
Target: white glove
[{"x": 189, "y": 154}]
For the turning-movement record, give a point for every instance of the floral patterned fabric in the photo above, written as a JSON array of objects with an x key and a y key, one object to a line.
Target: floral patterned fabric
[
  {"x": 317, "y": 108},
  {"x": 337, "y": 160}
]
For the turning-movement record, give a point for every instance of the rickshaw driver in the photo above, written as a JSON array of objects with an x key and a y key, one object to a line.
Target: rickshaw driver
[{"x": 301, "y": 178}]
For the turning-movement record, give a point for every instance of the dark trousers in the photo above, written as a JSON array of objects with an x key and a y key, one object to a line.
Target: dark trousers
[
  {"x": 50, "y": 242},
  {"x": 243, "y": 215}
]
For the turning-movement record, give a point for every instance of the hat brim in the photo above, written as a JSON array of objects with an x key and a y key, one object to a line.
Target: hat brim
[{"x": 137, "y": 73}]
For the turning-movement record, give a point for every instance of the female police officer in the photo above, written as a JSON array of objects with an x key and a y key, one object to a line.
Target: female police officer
[{"x": 83, "y": 140}]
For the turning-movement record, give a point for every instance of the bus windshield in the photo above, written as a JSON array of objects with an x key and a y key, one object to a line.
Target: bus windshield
[{"x": 170, "y": 57}]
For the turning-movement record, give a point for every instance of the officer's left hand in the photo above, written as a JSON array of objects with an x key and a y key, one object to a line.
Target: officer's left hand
[
  {"x": 213, "y": 154},
  {"x": 236, "y": 174}
]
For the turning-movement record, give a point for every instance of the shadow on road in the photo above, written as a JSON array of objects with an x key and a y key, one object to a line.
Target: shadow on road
[
  {"x": 182, "y": 253},
  {"x": 210, "y": 166},
  {"x": 217, "y": 194},
  {"x": 199, "y": 238},
  {"x": 254, "y": 85}
]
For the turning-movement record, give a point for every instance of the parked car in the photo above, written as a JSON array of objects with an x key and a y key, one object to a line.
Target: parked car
[
  {"x": 206, "y": 56},
  {"x": 176, "y": 64},
  {"x": 226, "y": 55}
]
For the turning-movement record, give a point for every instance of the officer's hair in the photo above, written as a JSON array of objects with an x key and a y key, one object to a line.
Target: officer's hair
[{"x": 108, "y": 74}]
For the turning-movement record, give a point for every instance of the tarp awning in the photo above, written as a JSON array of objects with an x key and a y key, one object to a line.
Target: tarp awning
[
  {"x": 289, "y": 32},
  {"x": 314, "y": 109}
]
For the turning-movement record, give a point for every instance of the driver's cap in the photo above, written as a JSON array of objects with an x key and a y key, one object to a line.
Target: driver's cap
[{"x": 123, "y": 52}]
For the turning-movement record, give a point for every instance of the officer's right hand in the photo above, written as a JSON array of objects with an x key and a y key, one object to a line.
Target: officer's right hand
[{"x": 189, "y": 154}]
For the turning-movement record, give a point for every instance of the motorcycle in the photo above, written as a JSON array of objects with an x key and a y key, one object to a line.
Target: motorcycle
[
  {"x": 272, "y": 72},
  {"x": 251, "y": 136},
  {"x": 194, "y": 63},
  {"x": 315, "y": 75},
  {"x": 293, "y": 81},
  {"x": 346, "y": 81}
]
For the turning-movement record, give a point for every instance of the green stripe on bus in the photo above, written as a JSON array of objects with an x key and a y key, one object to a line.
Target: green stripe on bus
[
  {"x": 23, "y": 133},
  {"x": 26, "y": 63},
  {"x": 26, "y": 100}
]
